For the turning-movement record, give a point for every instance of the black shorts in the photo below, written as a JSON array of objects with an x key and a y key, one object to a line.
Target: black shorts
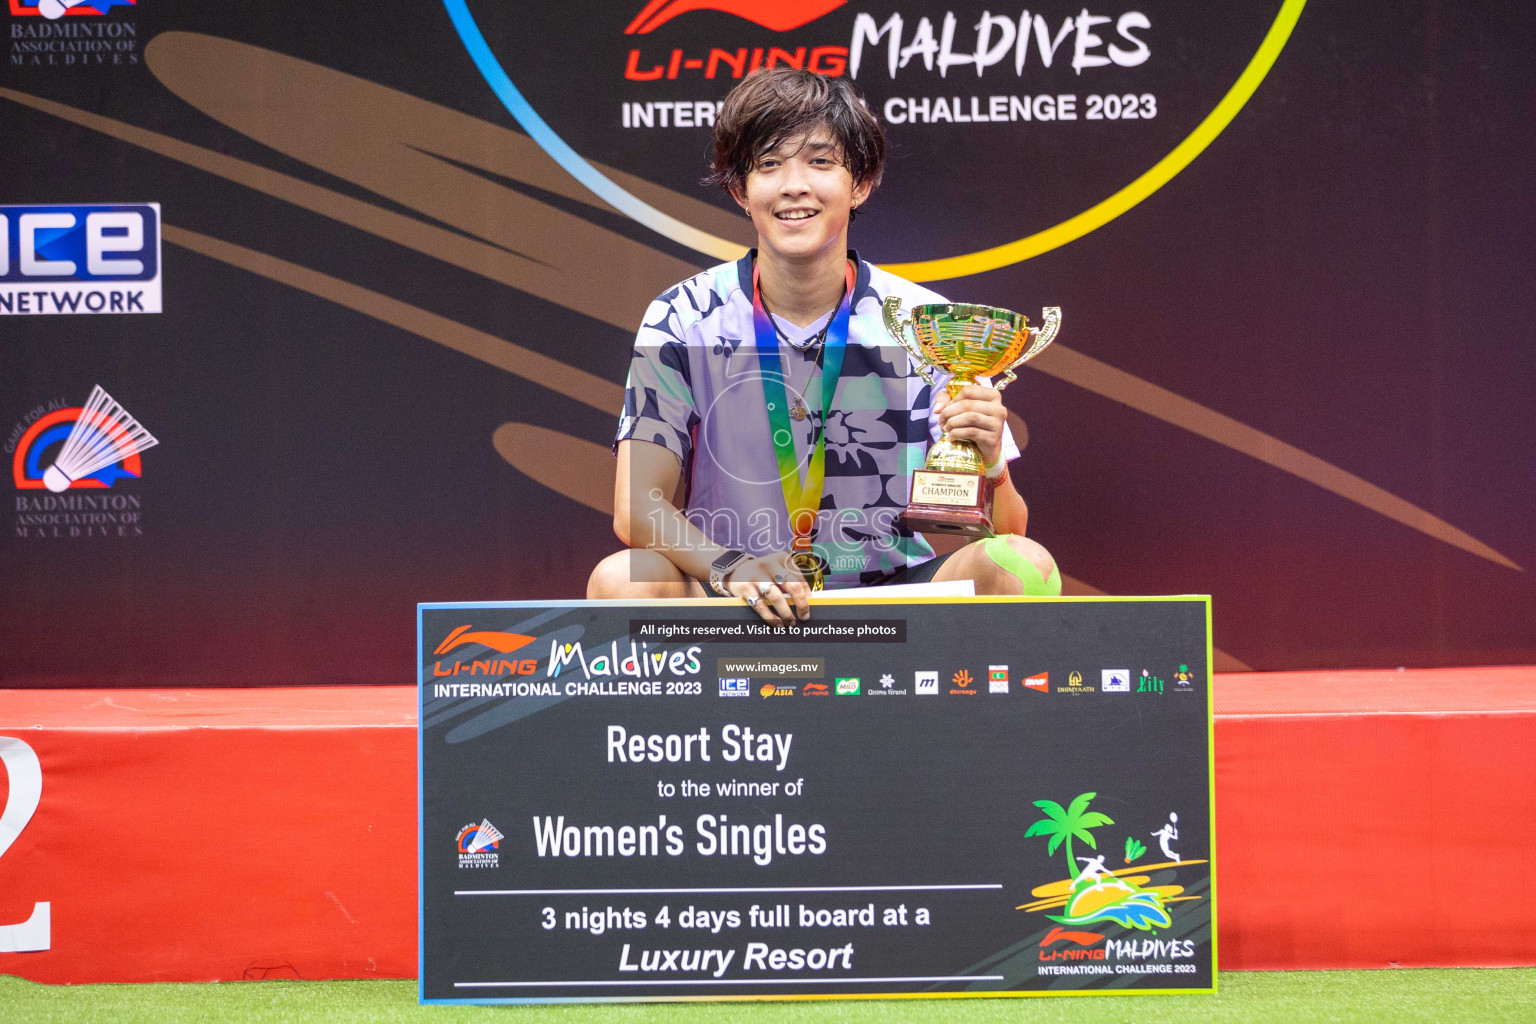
[{"x": 920, "y": 573}]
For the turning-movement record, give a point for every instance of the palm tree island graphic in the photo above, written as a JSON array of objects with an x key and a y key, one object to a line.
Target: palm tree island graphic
[{"x": 1091, "y": 893}]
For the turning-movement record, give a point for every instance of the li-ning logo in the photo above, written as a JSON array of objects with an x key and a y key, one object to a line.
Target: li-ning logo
[
  {"x": 1059, "y": 934},
  {"x": 778, "y": 15},
  {"x": 722, "y": 60},
  {"x": 56, "y": 9},
  {"x": 478, "y": 844},
  {"x": 101, "y": 443},
  {"x": 504, "y": 643}
]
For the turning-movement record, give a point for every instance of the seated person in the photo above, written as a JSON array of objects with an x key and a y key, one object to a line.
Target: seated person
[{"x": 769, "y": 416}]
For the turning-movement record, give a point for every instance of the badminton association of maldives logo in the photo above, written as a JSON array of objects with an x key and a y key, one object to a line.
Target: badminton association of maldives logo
[
  {"x": 93, "y": 446},
  {"x": 56, "y": 9},
  {"x": 478, "y": 844},
  {"x": 72, "y": 454}
]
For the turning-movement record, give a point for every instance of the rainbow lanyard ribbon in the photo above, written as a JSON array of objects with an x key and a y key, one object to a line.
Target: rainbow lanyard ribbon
[{"x": 801, "y": 499}]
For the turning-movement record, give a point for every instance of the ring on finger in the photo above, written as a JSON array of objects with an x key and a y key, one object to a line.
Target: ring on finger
[{"x": 754, "y": 601}]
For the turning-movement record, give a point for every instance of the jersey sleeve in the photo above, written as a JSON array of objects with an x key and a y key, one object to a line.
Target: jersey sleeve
[{"x": 658, "y": 396}]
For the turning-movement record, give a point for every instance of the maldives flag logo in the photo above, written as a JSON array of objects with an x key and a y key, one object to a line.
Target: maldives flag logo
[{"x": 778, "y": 15}]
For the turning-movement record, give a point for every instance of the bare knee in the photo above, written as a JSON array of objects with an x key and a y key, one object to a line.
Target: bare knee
[{"x": 635, "y": 574}]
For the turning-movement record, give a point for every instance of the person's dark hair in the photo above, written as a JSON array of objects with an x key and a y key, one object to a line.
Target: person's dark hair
[{"x": 779, "y": 103}]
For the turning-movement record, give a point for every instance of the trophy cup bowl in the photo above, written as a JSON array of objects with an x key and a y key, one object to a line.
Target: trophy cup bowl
[{"x": 967, "y": 341}]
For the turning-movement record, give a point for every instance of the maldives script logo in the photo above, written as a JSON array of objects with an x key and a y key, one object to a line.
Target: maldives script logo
[{"x": 778, "y": 15}]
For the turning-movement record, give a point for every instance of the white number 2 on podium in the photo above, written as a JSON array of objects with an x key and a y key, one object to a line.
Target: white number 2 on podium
[{"x": 26, "y": 789}]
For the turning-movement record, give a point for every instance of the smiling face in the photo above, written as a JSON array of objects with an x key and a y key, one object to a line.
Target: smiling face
[{"x": 799, "y": 195}]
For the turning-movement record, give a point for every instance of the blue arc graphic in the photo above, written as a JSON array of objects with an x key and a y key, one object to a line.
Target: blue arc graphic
[{"x": 539, "y": 130}]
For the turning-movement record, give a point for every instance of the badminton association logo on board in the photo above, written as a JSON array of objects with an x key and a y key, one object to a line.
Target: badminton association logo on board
[
  {"x": 73, "y": 454},
  {"x": 478, "y": 844}
]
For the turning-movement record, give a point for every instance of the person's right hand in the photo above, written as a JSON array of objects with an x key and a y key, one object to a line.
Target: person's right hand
[{"x": 782, "y": 595}]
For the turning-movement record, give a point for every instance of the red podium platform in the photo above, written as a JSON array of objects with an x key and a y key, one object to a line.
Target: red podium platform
[{"x": 1364, "y": 819}]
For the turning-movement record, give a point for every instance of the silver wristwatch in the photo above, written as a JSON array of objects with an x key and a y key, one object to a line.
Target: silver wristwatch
[{"x": 721, "y": 567}]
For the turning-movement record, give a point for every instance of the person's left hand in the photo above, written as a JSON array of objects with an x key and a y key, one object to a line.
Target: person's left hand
[{"x": 977, "y": 415}]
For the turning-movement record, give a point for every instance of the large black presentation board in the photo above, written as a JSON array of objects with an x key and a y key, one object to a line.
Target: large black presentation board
[{"x": 921, "y": 797}]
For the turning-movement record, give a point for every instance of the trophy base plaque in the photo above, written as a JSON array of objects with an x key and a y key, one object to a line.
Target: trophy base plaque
[{"x": 952, "y": 503}]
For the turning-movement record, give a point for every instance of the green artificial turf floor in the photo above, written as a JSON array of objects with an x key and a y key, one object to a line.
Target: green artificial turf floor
[{"x": 1290, "y": 997}]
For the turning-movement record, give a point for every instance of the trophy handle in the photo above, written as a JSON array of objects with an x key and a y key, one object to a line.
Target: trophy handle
[
  {"x": 1040, "y": 337},
  {"x": 896, "y": 327}
]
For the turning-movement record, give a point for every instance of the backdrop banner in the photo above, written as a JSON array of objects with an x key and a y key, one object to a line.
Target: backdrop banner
[
  {"x": 671, "y": 800},
  {"x": 310, "y": 312}
]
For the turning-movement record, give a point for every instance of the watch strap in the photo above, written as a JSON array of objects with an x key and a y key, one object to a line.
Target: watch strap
[{"x": 721, "y": 567}]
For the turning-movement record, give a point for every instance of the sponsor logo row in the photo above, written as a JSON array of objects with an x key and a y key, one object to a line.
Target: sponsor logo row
[
  {"x": 639, "y": 669},
  {"x": 962, "y": 683}
]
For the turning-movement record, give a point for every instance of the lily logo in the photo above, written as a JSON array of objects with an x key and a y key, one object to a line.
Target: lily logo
[{"x": 778, "y": 15}]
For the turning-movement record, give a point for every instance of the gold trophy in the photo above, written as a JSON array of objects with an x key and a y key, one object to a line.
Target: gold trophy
[{"x": 948, "y": 494}]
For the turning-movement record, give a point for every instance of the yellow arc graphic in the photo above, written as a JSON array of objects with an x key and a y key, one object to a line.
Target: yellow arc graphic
[{"x": 1159, "y": 175}]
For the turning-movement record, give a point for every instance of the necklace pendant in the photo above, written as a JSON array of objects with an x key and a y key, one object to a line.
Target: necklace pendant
[{"x": 797, "y": 411}]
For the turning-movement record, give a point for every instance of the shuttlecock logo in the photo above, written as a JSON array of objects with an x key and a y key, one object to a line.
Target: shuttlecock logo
[
  {"x": 101, "y": 442},
  {"x": 104, "y": 435},
  {"x": 477, "y": 845},
  {"x": 56, "y": 9}
]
